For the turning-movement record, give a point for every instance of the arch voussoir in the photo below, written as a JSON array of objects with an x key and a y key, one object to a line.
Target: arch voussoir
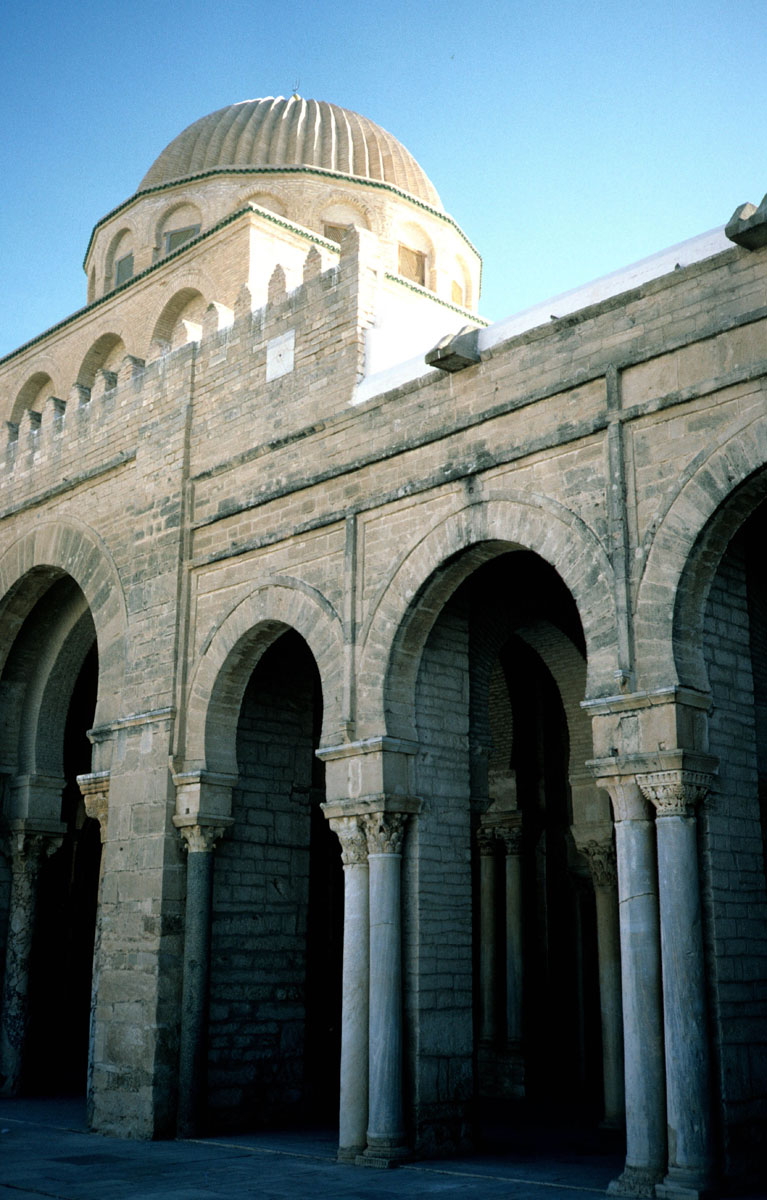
[
  {"x": 68, "y": 548},
  {"x": 450, "y": 551},
  {"x": 699, "y": 519},
  {"x": 232, "y": 651}
]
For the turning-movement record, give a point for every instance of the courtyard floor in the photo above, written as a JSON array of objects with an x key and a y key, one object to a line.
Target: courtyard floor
[{"x": 46, "y": 1151}]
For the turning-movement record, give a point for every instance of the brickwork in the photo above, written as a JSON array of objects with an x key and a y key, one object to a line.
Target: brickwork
[
  {"x": 735, "y": 887},
  {"x": 260, "y": 901},
  {"x": 438, "y": 987}
]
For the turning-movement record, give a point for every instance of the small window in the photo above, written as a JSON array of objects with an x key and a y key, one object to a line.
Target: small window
[
  {"x": 176, "y": 237},
  {"x": 334, "y": 233},
  {"x": 412, "y": 264},
  {"x": 124, "y": 269}
]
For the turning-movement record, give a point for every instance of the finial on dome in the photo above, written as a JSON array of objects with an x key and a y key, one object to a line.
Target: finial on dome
[{"x": 296, "y": 86}]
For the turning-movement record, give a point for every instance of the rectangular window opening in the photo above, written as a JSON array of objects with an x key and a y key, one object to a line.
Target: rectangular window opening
[
  {"x": 334, "y": 233},
  {"x": 124, "y": 269},
  {"x": 412, "y": 265},
  {"x": 176, "y": 237}
]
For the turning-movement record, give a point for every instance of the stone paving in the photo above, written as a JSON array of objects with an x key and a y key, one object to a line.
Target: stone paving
[{"x": 46, "y": 1151}]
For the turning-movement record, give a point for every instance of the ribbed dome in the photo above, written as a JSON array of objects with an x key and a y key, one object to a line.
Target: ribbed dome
[{"x": 275, "y": 132}]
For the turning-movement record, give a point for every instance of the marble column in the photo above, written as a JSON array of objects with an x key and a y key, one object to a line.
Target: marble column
[
  {"x": 94, "y": 789},
  {"x": 488, "y": 1015},
  {"x": 199, "y": 841},
  {"x": 641, "y": 988},
  {"x": 28, "y": 851},
  {"x": 353, "y": 1108},
  {"x": 675, "y": 794},
  {"x": 600, "y": 855},
  {"x": 386, "y": 1142},
  {"x": 511, "y": 837}
]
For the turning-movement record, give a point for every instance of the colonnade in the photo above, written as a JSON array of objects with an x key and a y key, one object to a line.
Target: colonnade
[
  {"x": 665, "y": 1034},
  {"x": 660, "y": 1015},
  {"x": 34, "y": 831},
  {"x": 506, "y": 832},
  {"x": 371, "y": 1127}
]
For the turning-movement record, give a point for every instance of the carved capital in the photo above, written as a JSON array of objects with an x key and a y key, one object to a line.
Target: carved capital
[
  {"x": 626, "y": 797},
  {"x": 94, "y": 790},
  {"x": 510, "y": 835},
  {"x": 600, "y": 856},
  {"x": 28, "y": 849},
  {"x": 201, "y": 839},
  {"x": 677, "y": 792},
  {"x": 486, "y": 840},
  {"x": 385, "y": 832},
  {"x": 351, "y": 835}
]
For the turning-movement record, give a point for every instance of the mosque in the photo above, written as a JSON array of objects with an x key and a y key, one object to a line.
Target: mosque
[{"x": 383, "y": 692}]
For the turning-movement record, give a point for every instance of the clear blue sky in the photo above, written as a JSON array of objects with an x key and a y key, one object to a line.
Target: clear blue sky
[{"x": 568, "y": 137}]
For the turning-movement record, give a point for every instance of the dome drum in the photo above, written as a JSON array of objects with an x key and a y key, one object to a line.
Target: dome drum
[{"x": 316, "y": 165}]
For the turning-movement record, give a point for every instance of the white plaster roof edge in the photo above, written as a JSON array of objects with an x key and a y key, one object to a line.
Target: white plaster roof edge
[
  {"x": 693, "y": 250},
  {"x": 392, "y": 377}
]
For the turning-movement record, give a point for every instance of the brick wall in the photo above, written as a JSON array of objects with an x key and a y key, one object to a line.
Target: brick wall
[
  {"x": 261, "y": 894},
  {"x": 438, "y": 936},
  {"x": 733, "y": 864}
]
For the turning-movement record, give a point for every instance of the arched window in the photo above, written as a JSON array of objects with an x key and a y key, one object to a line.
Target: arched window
[
  {"x": 178, "y": 226},
  {"x": 118, "y": 268},
  {"x": 337, "y": 217},
  {"x": 264, "y": 200},
  {"x": 415, "y": 255}
]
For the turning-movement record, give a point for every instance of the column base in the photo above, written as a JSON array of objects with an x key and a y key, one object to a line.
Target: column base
[
  {"x": 349, "y": 1154},
  {"x": 383, "y": 1154},
  {"x": 681, "y": 1185},
  {"x": 635, "y": 1181}
]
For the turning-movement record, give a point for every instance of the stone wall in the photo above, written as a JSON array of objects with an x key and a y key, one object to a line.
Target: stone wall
[
  {"x": 437, "y": 865},
  {"x": 260, "y": 903},
  {"x": 732, "y": 856}
]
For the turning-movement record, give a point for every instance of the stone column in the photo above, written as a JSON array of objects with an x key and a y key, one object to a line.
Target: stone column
[
  {"x": 386, "y": 1133},
  {"x": 641, "y": 988},
  {"x": 600, "y": 855},
  {"x": 675, "y": 793},
  {"x": 353, "y": 1114},
  {"x": 488, "y": 1017},
  {"x": 28, "y": 851},
  {"x": 511, "y": 836},
  {"x": 94, "y": 789},
  {"x": 199, "y": 841}
]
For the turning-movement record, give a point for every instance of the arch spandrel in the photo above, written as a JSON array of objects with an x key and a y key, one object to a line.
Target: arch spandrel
[
  {"x": 713, "y": 498},
  {"x": 428, "y": 573},
  {"x": 41, "y": 555},
  {"x": 231, "y": 652}
]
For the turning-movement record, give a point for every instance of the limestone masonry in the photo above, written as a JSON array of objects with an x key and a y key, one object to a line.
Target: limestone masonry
[{"x": 384, "y": 695}]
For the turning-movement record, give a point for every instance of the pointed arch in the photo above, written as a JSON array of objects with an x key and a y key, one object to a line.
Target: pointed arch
[
  {"x": 45, "y": 553},
  {"x": 109, "y": 348},
  {"x": 712, "y": 499},
  {"x": 429, "y": 572},
  {"x": 231, "y": 652}
]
